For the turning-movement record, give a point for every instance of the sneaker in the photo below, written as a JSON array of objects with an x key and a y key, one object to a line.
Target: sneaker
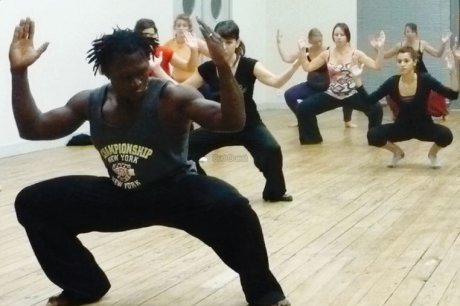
[{"x": 396, "y": 158}]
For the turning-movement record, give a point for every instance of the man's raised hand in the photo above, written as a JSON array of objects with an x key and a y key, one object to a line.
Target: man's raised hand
[{"x": 22, "y": 53}]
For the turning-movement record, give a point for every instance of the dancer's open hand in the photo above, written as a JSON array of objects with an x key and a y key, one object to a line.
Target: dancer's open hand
[{"x": 22, "y": 53}]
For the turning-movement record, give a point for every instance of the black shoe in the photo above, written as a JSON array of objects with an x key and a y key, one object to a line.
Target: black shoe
[{"x": 284, "y": 198}]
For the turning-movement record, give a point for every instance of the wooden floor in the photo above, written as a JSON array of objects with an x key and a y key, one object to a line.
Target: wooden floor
[{"x": 357, "y": 232}]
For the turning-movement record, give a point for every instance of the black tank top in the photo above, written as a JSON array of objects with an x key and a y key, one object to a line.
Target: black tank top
[
  {"x": 319, "y": 78},
  {"x": 144, "y": 152},
  {"x": 244, "y": 75}
]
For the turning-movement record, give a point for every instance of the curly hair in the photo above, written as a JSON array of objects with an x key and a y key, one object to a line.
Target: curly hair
[{"x": 119, "y": 43}]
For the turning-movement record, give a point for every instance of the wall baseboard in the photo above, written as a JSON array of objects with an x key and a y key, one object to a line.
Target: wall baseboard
[{"x": 31, "y": 146}]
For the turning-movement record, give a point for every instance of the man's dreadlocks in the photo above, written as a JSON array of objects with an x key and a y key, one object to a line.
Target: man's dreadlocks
[{"x": 120, "y": 42}]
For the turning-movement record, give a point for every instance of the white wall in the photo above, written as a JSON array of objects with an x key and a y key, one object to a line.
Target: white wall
[
  {"x": 295, "y": 18},
  {"x": 71, "y": 25},
  {"x": 62, "y": 71}
]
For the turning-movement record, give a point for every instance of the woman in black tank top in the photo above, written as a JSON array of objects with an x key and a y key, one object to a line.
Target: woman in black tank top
[
  {"x": 412, "y": 39},
  {"x": 255, "y": 137}
]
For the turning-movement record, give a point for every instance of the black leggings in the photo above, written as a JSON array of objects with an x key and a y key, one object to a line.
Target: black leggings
[
  {"x": 394, "y": 132},
  {"x": 55, "y": 211}
]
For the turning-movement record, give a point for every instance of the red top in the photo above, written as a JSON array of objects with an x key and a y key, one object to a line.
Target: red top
[{"x": 167, "y": 54}]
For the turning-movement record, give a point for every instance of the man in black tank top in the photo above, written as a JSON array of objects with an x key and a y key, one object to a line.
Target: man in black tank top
[{"x": 140, "y": 128}]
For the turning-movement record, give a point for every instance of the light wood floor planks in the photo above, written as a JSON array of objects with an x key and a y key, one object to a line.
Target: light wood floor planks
[{"x": 357, "y": 233}]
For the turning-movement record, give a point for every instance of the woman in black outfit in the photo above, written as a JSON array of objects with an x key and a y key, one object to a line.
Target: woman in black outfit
[
  {"x": 410, "y": 90},
  {"x": 255, "y": 136}
]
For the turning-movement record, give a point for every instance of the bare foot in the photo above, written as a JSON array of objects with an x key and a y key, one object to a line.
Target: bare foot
[
  {"x": 396, "y": 158},
  {"x": 60, "y": 300},
  {"x": 434, "y": 162},
  {"x": 284, "y": 302},
  {"x": 349, "y": 124}
]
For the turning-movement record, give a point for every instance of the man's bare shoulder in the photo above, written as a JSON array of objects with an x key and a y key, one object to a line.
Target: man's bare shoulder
[
  {"x": 180, "y": 94},
  {"x": 79, "y": 102},
  {"x": 175, "y": 103}
]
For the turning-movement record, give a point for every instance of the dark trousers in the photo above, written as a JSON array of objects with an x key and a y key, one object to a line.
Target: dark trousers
[
  {"x": 260, "y": 143},
  {"x": 395, "y": 132},
  {"x": 303, "y": 91},
  {"x": 54, "y": 212},
  {"x": 322, "y": 102}
]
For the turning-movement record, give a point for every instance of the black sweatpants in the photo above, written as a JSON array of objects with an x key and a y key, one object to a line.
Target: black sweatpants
[
  {"x": 55, "y": 211},
  {"x": 260, "y": 143}
]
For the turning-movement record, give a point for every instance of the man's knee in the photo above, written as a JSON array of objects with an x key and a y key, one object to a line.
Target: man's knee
[
  {"x": 241, "y": 211},
  {"x": 25, "y": 205}
]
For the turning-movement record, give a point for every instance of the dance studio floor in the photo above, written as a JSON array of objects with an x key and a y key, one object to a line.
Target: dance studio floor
[{"x": 357, "y": 232}]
